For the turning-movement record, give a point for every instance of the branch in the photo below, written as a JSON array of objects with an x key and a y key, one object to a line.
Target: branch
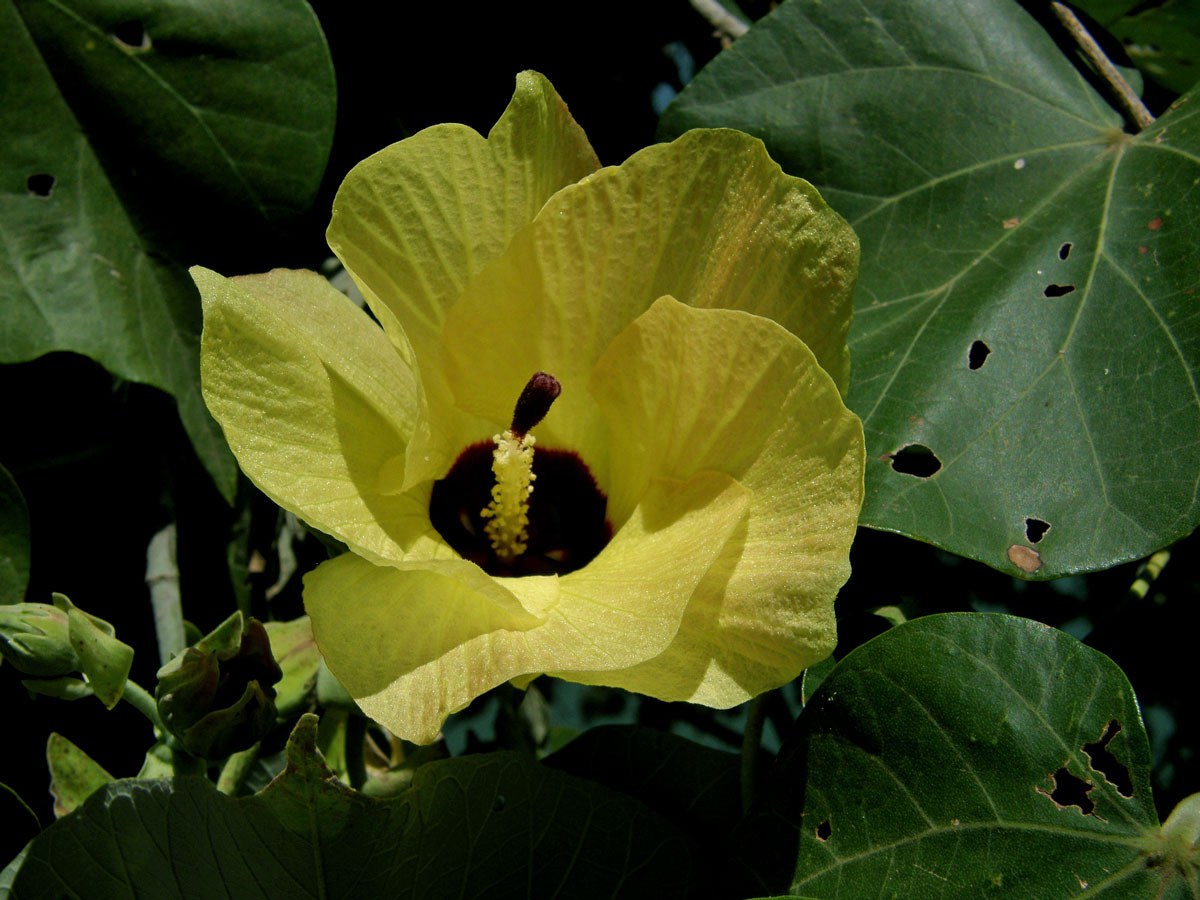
[
  {"x": 1147, "y": 572},
  {"x": 162, "y": 578},
  {"x": 727, "y": 24},
  {"x": 1131, "y": 101}
]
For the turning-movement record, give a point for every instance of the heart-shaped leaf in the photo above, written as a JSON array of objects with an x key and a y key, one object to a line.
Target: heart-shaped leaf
[
  {"x": 968, "y": 755},
  {"x": 236, "y": 98},
  {"x": 116, "y": 114},
  {"x": 1025, "y": 342},
  {"x": 496, "y": 825}
]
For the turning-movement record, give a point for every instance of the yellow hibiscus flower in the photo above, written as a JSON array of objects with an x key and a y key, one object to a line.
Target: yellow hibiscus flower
[{"x": 696, "y": 485}]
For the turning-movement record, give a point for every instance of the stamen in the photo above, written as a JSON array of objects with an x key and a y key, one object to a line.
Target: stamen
[{"x": 512, "y": 464}]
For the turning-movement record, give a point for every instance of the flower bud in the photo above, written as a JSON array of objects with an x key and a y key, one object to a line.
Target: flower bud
[
  {"x": 218, "y": 697},
  {"x": 35, "y": 639}
]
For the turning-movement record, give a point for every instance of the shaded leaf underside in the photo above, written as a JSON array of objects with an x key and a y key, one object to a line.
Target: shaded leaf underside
[{"x": 499, "y": 825}]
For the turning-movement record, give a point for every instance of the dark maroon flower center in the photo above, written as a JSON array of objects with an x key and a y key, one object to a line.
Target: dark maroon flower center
[{"x": 567, "y": 524}]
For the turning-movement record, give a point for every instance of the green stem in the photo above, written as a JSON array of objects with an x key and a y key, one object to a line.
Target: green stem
[
  {"x": 356, "y": 735},
  {"x": 751, "y": 744},
  {"x": 234, "y": 772},
  {"x": 162, "y": 578},
  {"x": 141, "y": 700}
]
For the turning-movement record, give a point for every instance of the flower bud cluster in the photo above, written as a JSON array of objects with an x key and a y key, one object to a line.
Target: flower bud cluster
[{"x": 218, "y": 696}]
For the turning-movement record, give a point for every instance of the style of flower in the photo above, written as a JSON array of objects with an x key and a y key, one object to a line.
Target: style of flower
[{"x": 696, "y": 485}]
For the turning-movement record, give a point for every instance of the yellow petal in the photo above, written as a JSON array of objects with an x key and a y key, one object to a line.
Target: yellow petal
[
  {"x": 415, "y": 221},
  {"x": 415, "y": 642},
  {"x": 687, "y": 390},
  {"x": 709, "y": 219},
  {"x": 316, "y": 404}
]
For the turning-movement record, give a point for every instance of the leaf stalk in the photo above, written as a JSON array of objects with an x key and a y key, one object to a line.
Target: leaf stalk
[
  {"x": 141, "y": 700},
  {"x": 751, "y": 744},
  {"x": 1124, "y": 93}
]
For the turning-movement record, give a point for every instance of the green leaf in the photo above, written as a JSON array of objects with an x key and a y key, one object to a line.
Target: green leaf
[
  {"x": 154, "y": 108},
  {"x": 696, "y": 787},
  {"x": 74, "y": 776},
  {"x": 159, "y": 762},
  {"x": 1161, "y": 38},
  {"x": 104, "y": 660},
  {"x": 14, "y": 540},
  {"x": 74, "y": 274},
  {"x": 239, "y": 97},
  {"x": 1024, "y": 342},
  {"x": 1164, "y": 42},
  {"x": 495, "y": 826},
  {"x": 1106, "y": 11},
  {"x": 970, "y": 755}
]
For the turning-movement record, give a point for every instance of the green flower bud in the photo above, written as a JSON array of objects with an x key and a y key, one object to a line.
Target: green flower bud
[
  {"x": 35, "y": 639},
  {"x": 218, "y": 697}
]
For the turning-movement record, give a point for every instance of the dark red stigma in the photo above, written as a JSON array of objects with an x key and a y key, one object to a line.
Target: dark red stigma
[{"x": 535, "y": 400}]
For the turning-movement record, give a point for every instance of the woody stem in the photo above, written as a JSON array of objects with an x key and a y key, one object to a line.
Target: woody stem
[{"x": 1125, "y": 94}]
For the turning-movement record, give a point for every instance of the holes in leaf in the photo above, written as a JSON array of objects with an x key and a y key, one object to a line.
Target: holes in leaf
[
  {"x": 1070, "y": 790},
  {"x": 1065, "y": 250},
  {"x": 131, "y": 35},
  {"x": 1058, "y": 290},
  {"x": 977, "y": 355},
  {"x": 1035, "y": 529},
  {"x": 824, "y": 831},
  {"x": 40, "y": 185},
  {"x": 1103, "y": 762},
  {"x": 916, "y": 460}
]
